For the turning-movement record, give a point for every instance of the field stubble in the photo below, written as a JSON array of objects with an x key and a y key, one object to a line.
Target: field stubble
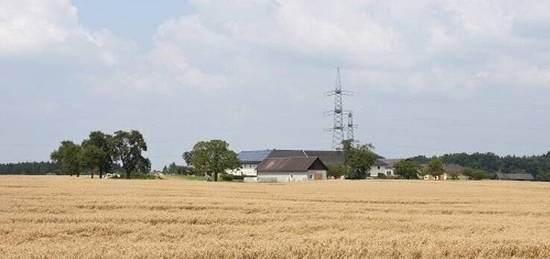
[{"x": 62, "y": 217}]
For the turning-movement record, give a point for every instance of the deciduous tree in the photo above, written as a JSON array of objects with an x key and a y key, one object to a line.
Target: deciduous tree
[
  {"x": 93, "y": 158},
  {"x": 105, "y": 143},
  {"x": 69, "y": 157},
  {"x": 407, "y": 169},
  {"x": 212, "y": 157},
  {"x": 128, "y": 148},
  {"x": 434, "y": 167},
  {"x": 359, "y": 159}
]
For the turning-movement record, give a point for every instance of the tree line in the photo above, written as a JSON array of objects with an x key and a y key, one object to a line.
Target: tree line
[
  {"x": 30, "y": 168},
  {"x": 102, "y": 153},
  {"x": 490, "y": 163}
]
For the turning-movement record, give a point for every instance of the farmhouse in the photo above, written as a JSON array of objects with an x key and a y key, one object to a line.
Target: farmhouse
[
  {"x": 448, "y": 168},
  {"x": 429, "y": 177},
  {"x": 251, "y": 159},
  {"x": 384, "y": 167},
  {"x": 289, "y": 169}
]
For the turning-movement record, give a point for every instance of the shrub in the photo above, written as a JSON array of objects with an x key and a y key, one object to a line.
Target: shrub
[
  {"x": 476, "y": 174},
  {"x": 382, "y": 176},
  {"x": 336, "y": 170},
  {"x": 407, "y": 169},
  {"x": 545, "y": 176},
  {"x": 227, "y": 178},
  {"x": 453, "y": 175}
]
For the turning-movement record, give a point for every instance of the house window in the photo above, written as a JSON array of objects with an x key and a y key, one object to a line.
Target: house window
[
  {"x": 378, "y": 167},
  {"x": 310, "y": 176}
]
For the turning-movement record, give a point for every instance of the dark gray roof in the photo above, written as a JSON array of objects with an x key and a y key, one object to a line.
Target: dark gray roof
[
  {"x": 453, "y": 168},
  {"x": 328, "y": 157},
  {"x": 291, "y": 164},
  {"x": 517, "y": 177},
  {"x": 390, "y": 163},
  {"x": 253, "y": 156},
  {"x": 380, "y": 162}
]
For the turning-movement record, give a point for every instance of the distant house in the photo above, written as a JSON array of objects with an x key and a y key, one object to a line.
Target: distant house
[
  {"x": 515, "y": 177},
  {"x": 289, "y": 169},
  {"x": 384, "y": 166},
  {"x": 251, "y": 159},
  {"x": 449, "y": 168},
  {"x": 429, "y": 177}
]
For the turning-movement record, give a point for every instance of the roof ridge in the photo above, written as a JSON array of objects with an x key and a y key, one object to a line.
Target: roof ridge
[{"x": 292, "y": 157}]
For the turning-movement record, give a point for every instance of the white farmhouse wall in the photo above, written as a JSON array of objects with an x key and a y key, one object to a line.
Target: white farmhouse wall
[
  {"x": 375, "y": 170},
  {"x": 290, "y": 176},
  {"x": 246, "y": 170},
  {"x": 284, "y": 176}
]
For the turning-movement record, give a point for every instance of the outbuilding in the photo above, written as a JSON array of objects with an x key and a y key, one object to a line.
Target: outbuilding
[
  {"x": 290, "y": 169},
  {"x": 515, "y": 177}
]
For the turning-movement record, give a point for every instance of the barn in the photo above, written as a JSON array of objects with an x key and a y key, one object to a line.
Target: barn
[
  {"x": 515, "y": 177},
  {"x": 290, "y": 169}
]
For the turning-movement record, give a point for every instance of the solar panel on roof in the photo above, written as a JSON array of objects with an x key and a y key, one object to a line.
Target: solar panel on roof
[{"x": 254, "y": 156}]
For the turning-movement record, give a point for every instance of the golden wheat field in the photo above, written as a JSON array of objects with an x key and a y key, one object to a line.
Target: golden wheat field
[{"x": 63, "y": 217}]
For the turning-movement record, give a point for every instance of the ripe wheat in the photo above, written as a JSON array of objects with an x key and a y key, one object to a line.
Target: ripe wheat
[{"x": 62, "y": 217}]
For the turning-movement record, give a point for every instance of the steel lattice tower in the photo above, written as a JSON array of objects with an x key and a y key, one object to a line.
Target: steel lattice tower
[
  {"x": 338, "y": 113},
  {"x": 340, "y": 131},
  {"x": 350, "y": 134}
]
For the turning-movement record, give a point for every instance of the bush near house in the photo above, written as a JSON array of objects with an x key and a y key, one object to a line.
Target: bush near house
[
  {"x": 227, "y": 178},
  {"x": 453, "y": 175},
  {"x": 336, "y": 170},
  {"x": 382, "y": 176},
  {"x": 476, "y": 174},
  {"x": 545, "y": 176}
]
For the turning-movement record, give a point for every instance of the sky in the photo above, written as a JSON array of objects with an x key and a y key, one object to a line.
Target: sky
[{"x": 429, "y": 76}]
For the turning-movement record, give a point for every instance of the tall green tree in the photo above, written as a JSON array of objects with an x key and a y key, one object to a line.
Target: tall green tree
[
  {"x": 212, "y": 157},
  {"x": 105, "y": 143},
  {"x": 407, "y": 169},
  {"x": 359, "y": 159},
  {"x": 434, "y": 167},
  {"x": 128, "y": 148},
  {"x": 93, "y": 158},
  {"x": 69, "y": 157}
]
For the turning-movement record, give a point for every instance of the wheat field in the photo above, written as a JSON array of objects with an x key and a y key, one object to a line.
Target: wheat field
[{"x": 63, "y": 217}]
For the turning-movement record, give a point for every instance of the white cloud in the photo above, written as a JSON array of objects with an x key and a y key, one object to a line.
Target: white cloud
[
  {"x": 264, "y": 64},
  {"x": 419, "y": 46},
  {"x": 30, "y": 25}
]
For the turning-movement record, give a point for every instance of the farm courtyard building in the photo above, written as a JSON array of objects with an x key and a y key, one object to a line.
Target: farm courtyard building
[
  {"x": 515, "y": 177},
  {"x": 251, "y": 159},
  {"x": 290, "y": 169},
  {"x": 384, "y": 166}
]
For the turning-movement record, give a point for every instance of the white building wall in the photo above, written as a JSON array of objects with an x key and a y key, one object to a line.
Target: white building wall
[
  {"x": 375, "y": 170},
  {"x": 283, "y": 176},
  {"x": 290, "y": 176},
  {"x": 246, "y": 170}
]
